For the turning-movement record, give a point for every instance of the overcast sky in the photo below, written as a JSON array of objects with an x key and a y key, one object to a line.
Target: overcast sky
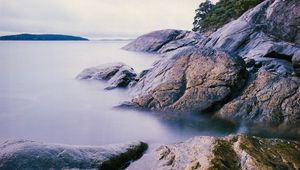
[{"x": 95, "y": 18}]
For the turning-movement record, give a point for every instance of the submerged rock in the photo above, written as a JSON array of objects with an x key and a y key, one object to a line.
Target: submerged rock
[
  {"x": 118, "y": 74},
  {"x": 190, "y": 80},
  {"x": 164, "y": 40},
  {"x": 231, "y": 152},
  {"x": 34, "y": 155}
]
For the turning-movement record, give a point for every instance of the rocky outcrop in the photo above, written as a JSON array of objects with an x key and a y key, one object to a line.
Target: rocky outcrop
[
  {"x": 261, "y": 31},
  {"x": 164, "y": 40},
  {"x": 190, "y": 80},
  {"x": 35, "y": 155},
  {"x": 270, "y": 46},
  {"x": 271, "y": 97},
  {"x": 117, "y": 74},
  {"x": 231, "y": 152}
]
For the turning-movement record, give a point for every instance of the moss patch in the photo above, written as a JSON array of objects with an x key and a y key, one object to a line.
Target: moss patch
[
  {"x": 272, "y": 153},
  {"x": 224, "y": 156}
]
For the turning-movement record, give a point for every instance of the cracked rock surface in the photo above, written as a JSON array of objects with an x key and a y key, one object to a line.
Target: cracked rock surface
[
  {"x": 26, "y": 154},
  {"x": 270, "y": 98},
  {"x": 190, "y": 80}
]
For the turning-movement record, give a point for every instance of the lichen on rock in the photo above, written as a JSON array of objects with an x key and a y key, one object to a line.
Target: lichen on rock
[{"x": 230, "y": 152}]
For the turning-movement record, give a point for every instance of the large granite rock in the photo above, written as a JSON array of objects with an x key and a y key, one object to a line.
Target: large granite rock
[
  {"x": 270, "y": 45},
  {"x": 34, "y": 155},
  {"x": 262, "y": 31},
  {"x": 231, "y": 152},
  {"x": 118, "y": 74},
  {"x": 164, "y": 40},
  {"x": 190, "y": 80},
  {"x": 271, "y": 96},
  {"x": 270, "y": 99}
]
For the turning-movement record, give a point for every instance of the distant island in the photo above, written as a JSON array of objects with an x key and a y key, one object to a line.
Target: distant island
[{"x": 41, "y": 37}]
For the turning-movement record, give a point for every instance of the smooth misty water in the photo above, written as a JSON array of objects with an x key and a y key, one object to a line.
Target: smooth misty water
[{"x": 41, "y": 99}]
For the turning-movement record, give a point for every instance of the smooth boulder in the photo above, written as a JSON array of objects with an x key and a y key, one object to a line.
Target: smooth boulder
[
  {"x": 189, "y": 80},
  {"x": 117, "y": 74},
  {"x": 163, "y": 41},
  {"x": 26, "y": 154}
]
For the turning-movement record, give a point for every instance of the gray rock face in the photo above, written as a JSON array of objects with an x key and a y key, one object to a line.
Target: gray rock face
[
  {"x": 230, "y": 152},
  {"x": 269, "y": 98},
  {"x": 34, "y": 155},
  {"x": 189, "y": 80},
  {"x": 271, "y": 95},
  {"x": 261, "y": 31},
  {"x": 118, "y": 74},
  {"x": 164, "y": 40}
]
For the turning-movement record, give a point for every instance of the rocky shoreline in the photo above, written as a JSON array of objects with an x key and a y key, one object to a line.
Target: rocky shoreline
[{"x": 247, "y": 72}]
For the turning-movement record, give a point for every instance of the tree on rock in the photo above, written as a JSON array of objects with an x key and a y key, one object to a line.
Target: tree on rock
[{"x": 201, "y": 12}]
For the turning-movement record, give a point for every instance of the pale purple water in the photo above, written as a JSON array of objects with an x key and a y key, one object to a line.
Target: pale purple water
[{"x": 41, "y": 100}]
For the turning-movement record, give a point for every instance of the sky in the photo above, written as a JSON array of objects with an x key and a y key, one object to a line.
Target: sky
[{"x": 95, "y": 18}]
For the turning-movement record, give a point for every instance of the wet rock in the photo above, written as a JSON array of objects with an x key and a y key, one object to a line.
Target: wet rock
[
  {"x": 118, "y": 74},
  {"x": 34, "y": 155},
  {"x": 250, "y": 63},
  {"x": 164, "y": 40},
  {"x": 231, "y": 152},
  {"x": 261, "y": 31},
  {"x": 189, "y": 80},
  {"x": 122, "y": 78},
  {"x": 296, "y": 63}
]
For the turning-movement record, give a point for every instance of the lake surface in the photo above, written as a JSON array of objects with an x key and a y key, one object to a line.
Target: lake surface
[{"x": 41, "y": 100}]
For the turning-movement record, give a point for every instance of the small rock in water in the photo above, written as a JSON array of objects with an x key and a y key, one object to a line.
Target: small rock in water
[
  {"x": 101, "y": 72},
  {"x": 118, "y": 74}
]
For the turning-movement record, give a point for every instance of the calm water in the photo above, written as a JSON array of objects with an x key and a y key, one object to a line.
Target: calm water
[{"x": 41, "y": 99}]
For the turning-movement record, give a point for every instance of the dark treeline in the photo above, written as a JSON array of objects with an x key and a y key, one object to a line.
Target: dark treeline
[{"x": 210, "y": 17}]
